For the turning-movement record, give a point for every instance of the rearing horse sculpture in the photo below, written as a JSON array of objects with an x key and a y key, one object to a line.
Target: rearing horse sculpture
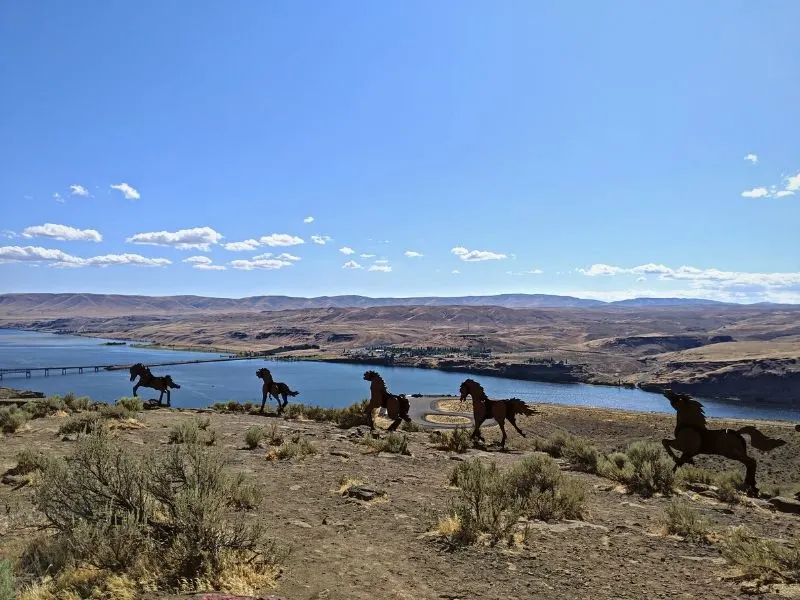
[
  {"x": 397, "y": 406},
  {"x": 499, "y": 410},
  {"x": 692, "y": 437},
  {"x": 276, "y": 389},
  {"x": 148, "y": 380}
]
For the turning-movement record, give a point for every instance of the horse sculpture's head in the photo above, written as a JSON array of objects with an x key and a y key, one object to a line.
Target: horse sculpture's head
[
  {"x": 465, "y": 389},
  {"x": 263, "y": 373},
  {"x": 675, "y": 399},
  {"x": 370, "y": 375},
  {"x": 136, "y": 370}
]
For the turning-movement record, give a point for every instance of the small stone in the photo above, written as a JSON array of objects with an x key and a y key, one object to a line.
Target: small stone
[
  {"x": 363, "y": 492},
  {"x": 786, "y": 505},
  {"x": 302, "y": 524},
  {"x": 295, "y": 487}
]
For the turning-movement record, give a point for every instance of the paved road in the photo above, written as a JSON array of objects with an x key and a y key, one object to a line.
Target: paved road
[{"x": 422, "y": 407}]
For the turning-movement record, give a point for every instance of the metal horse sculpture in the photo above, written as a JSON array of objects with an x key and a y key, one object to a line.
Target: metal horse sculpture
[
  {"x": 692, "y": 437},
  {"x": 397, "y": 406},
  {"x": 499, "y": 410},
  {"x": 276, "y": 389},
  {"x": 148, "y": 380}
]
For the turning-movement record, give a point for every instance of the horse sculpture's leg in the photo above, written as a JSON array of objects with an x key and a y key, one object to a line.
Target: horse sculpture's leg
[
  {"x": 501, "y": 422},
  {"x": 513, "y": 420},
  {"x": 160, "y": 397},
  {"x": 136, "y": 387},
  {"x": 750, "y": 474},
  {"x": 169, "y": 398},
  {"x": 263, "y": 400}
]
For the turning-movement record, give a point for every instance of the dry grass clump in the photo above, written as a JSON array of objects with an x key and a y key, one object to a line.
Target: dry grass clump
[
  {"x": 12, "y": 418},
  {"x": 457, "y": 440},
  {"x": 350, "y": 416},
  {"x": 491, "y": 502},
  {"x": 681, "y": 519},
  {"x": 393, "y": 443},
  {"x": 297, "y": 447},
  {"x": 133, "y": 404},
  {"x": 644, "y": 468},
  {"x": 762, "y": 560},
  {"x": 253, "y": 436},
  {"x": 193, "y": 431},
  {"x": 122, "y": 524}
]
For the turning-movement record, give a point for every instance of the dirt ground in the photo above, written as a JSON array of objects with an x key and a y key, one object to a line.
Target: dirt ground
[{"x": 344, "y": 548}]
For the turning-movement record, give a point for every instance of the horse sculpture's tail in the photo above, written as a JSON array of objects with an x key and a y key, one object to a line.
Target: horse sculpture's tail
[
  {"x": 292, "y": 394},
  {"x": 759, "y": 441},
  {"x": 520, "y": 407}
]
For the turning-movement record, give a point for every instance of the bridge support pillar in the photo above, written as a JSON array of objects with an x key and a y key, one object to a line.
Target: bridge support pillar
[
  {"x": 27, "y": 374},
  {"x": 46, "y": 372},
  {"x": 80, "y": 369},
  {"x": 63, "y": 371}
]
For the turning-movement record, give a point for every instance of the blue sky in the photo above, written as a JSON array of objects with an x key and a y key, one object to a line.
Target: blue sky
[{"x": 594, "y": 149}]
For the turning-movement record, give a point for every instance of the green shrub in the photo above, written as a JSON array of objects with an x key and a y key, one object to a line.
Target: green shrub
[
  {"x": 692, "y": 474},
  {"x": 6, "y": 581},
  {"x": 298, "y": 447},
  {"x": 12, "y": 418},
  {"x": 649, "y": 470},
  {"x": 492, "y": 502},
  {"x": 131, "y": 404},
  {"x": 118, "y": 411},
  {"x": 38, "y": 409},
  {"x": 728, "y": 485},
  {"x": 203, "y": 423},
  {"x": 681, "y": 519},
  {"x": 458, "y": 440},
  {"x": 581, "y": 455},
  {"x": 77, "y": 404},
  {"x": 273, "y": 435},
  {"x": 393, "y": 443},
  {"x": 552, "y": 444},
  {"x": 760, "y": 559},
  {"x": 161, "y": 521},
  {"x": 185, "y": 432},
  {"x": 29, "y": 461},
  {"x": 83, "y": 423},
  {"x": 253, "y": 437}
]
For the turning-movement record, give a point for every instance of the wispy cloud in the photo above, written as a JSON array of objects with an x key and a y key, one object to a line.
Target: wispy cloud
[
  {"x": 64, "y": 233},
  {"x": 367, "y": 255},
  {"x": 476, "y": 255},
  {"x": 753, "y": 158},
  {"x": 758, "y": 192},
  {"x": 347, "y": 251},
  {"x": 455, "y": 272},
  {"x": 57, "y": 197},
  {"x": 381, "y": 268},
  {"x": 382, "y": 261},
  {"x": 351, "y": 264},
  {"x": 281, "y": 239},
  {"x": 57, "y": 258},
  {"x": 244, "y": 246},
  {"x": 203, "y": 263},
  {"x": 321, "y": 239},
  {"x": 263, "y": 261},
  {"x": 196, "y": 238},
  {"x": 7, "y": 233},
  {"x": 308, "y": 220},
  {"x": 744, "y": 284},
  {"x": 78, "y": 190},
  {"x": 533, "y": 272},
  {"x": 413, "y": 254},
  {"x": 128, "y": 191},
  {"x": 287, "y": 256}
]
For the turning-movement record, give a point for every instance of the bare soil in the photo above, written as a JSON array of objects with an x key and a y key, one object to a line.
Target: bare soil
[{"x": 344, "y": 548}]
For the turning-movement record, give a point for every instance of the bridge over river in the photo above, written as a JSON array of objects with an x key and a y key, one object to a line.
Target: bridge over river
[{"x": 29, "y": 371}]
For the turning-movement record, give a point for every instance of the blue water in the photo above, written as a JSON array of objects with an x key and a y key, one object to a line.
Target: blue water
[{"x": 325, "y": 384}]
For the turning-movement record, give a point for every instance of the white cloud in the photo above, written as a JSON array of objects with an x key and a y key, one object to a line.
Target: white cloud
[
  {"x": 262, "y": 261},
  {"x": 455, "y": 272},
  {"x": 57, "y": 197},
  {"x": 321, "y": 239},
  {"x": 127, "y": 259},
  {"x": 731, "y": 285},
  {"x": 287, "y": 256},
  {"x": 7, "y": 233},
  {"x": 476, "y": 255},
  {"x": 203, "y": 263},
  {"x": 78, "y": 190},
  {"x": 281, "y": 239},
  {"x": 351, "y": 264},
  {"x": 381, "y": 268},
  {"x": 197, "y": 238},
  {"x": 758, "y": 192},
  {"x": 197, "y": 260},
  {"x": 792, "y": 183},
  {"x": 533, "y": 272},
  {"x": 753, "y": 158},
  {"x": 308, "y": 220},
  {"x": 413, "y": 254},
  {"x": 641, "y": 279},
  {"x": 367, "y": 255},
  {"x": 382, "y": 261},
  {"x": 129, "y": 192},
  {"x": 347, "y": 251},
  {"x": 784, "y": 193},
  {"x": 64, "y": 233},
  {"x": 57, "y": 258},
  {"x": 244, "y": 246}
]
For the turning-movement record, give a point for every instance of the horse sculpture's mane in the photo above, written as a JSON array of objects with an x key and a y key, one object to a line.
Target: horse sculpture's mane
[
  {"x": 477, "y": 388},
  {"x": 375, "y": 377},
  {"x": 690, "y": 411}
]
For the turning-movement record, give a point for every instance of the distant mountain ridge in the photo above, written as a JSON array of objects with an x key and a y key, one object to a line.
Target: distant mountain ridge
[{"x": 73, "y": 304}]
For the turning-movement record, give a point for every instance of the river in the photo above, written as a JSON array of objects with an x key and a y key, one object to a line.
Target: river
[{"x": 321, "y": 383}]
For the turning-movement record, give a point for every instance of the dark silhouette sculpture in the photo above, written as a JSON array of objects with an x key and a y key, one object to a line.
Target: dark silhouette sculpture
[
  {"x": 499, "y": 410},
  {"x": 692, "y": 437},
  {"x": 396, "y": 406},
  {"x": 148, "y": 380}
]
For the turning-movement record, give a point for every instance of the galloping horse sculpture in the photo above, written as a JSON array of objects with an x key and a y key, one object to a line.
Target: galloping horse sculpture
[
  {"x": 148, "y": 380},
  {"x": 499, "y": 410},
  {"x": 692, "y": 437},
  {"x": 397, "y": 406}
]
